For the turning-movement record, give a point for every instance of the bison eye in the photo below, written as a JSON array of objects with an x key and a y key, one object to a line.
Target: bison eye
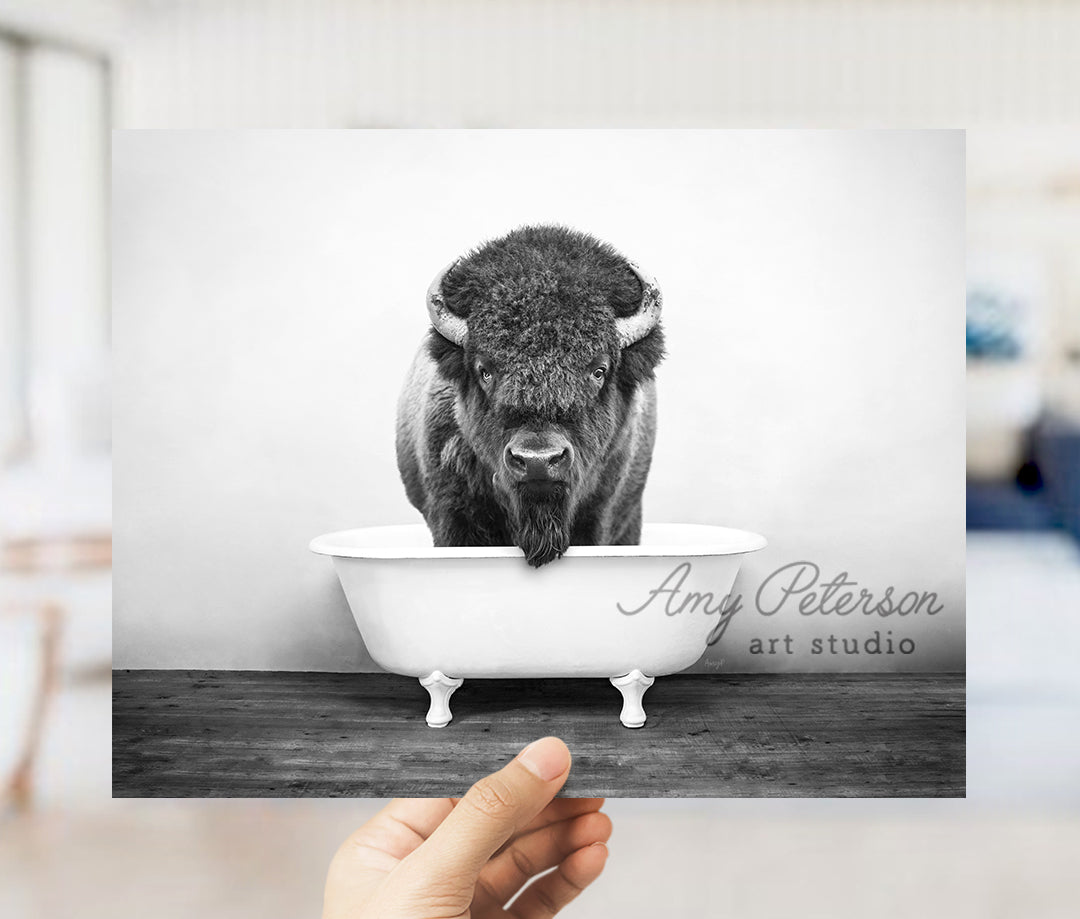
[
  {"x": 599, "y": 374},
  {"x": 485, "y": 375}
]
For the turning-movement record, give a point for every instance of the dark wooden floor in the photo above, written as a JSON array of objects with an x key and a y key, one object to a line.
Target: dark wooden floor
[{"x": 247, "y": 734}]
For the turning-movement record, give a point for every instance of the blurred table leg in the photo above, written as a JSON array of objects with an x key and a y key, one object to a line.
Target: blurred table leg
[
  {"x": 20, "y": 786},
  {"x": 35, "y": 563}
]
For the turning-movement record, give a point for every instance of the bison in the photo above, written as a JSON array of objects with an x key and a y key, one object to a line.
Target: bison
[{"x": 529, "y": 413}]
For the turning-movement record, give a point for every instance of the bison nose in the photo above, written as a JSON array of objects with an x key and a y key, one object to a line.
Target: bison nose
[{"x": 531, "y": 458}]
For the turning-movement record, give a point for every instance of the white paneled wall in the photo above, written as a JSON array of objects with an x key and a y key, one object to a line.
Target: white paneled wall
[{"x": 259, "y": 63}]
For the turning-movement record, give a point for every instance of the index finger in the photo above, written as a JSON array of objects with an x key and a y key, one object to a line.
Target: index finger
[{"x": 556, "y": 812}]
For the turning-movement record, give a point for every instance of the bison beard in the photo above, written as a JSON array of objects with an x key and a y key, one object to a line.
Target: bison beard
[{"x": 542, "y": 529}]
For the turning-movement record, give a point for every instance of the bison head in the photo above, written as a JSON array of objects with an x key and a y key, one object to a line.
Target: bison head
[{"x": 548, "y": 333}]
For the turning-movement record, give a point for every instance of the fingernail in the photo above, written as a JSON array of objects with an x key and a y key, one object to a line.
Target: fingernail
[{"x": 546, "y": 758}]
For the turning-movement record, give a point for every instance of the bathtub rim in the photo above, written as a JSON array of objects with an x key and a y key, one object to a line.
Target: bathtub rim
[{"x": 714, "y": 540}]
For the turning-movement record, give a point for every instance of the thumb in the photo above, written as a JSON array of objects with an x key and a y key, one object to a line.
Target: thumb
[{"x": 492, "y": 811}]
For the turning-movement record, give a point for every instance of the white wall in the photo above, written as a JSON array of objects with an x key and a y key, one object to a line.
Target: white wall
[
  {"x": 631, "y": 63},
  {"x": 268, "y": 295}
]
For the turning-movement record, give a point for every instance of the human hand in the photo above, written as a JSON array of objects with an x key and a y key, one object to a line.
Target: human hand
[{"x": 437, "y": 858}]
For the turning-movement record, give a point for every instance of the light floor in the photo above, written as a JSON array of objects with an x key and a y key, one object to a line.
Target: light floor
[
  {"x": 177, "y": 860},
  {"x": 1009, "y": 851}
]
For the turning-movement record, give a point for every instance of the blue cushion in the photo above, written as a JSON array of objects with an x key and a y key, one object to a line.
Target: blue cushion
[
  {"x": 1057, "y": 451},
  {"x": 1004, "y": 506}
]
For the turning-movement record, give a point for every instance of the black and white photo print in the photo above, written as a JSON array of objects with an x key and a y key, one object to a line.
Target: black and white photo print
[{"x": 427, "y": 441}]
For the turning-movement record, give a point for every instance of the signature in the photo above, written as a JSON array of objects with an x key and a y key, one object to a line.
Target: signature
[{"x": 799, "y": 582}]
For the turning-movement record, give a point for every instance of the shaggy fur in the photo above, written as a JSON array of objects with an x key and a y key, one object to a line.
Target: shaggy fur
[{"x": 541, "y": 304}]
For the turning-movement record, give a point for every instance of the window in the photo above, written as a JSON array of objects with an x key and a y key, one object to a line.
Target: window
[{"x": 54, "y": 326}]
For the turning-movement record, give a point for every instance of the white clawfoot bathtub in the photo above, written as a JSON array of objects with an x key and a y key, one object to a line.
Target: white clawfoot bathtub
[{"x": 628, "y": 613}]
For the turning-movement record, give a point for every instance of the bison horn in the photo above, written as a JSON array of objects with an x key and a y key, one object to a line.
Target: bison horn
[
  {"x": 447, "y": 323},
  {"x": 636, "y": 327}
]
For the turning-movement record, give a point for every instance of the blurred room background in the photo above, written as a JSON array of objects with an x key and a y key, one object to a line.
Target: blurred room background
[
  {"x": 71, "y": 70},
  {"x": 1023, "y": 458}
]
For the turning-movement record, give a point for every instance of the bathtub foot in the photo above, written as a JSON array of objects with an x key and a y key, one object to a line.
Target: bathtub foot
[
  {"x": 440, "y": 687},
  {"x": 632, "y": 686}
]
